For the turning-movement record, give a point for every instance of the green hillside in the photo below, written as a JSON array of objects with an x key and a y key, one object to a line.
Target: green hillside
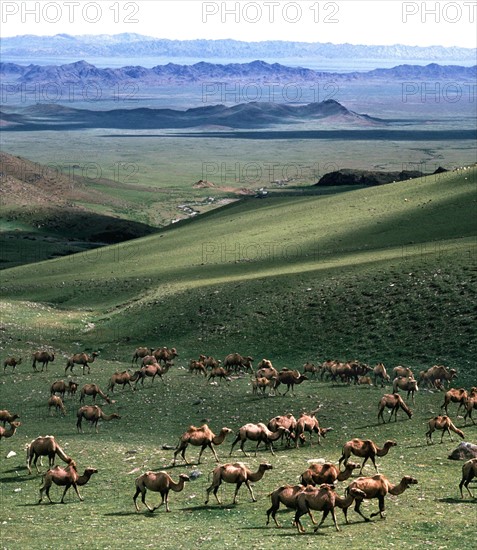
[{"x": 359, "y": 273}]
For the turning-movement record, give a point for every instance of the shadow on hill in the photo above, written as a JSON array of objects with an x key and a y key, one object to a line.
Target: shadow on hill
[{"x": 63, "y": 231}]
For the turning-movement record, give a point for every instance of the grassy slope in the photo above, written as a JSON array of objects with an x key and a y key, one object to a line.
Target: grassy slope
[{"x": 366, "y": 274}]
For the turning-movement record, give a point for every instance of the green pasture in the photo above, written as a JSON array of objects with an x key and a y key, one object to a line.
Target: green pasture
[{"x": 380, "y": 274}]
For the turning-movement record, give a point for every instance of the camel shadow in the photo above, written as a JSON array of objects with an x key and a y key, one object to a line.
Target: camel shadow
[
  {"x": 127, "y": 514},
  {"x": 452, "y": 500},
  {"x": 15, "y": 479},
  {"x": 209, "y": 507}
]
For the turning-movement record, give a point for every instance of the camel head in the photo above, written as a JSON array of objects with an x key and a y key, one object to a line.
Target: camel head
[
  {"x": 185, "y": 477},
  {"x": 265, "y": 466},
  {"x": 408, "y": 480}
]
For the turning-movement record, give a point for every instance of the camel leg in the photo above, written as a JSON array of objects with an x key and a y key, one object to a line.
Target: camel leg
[
  {"x": 381, "y": 508},
  {"x": 242, "y": 444},
  {"x": 247, "y": 483},
  {"x": 374, "y": 462},
  {"x": 165, "y": 498},
  {"x": 75, "y": 487},
  {"x": 214, "y": 452},
  {"x": 202, "y": 449},
  {"x": 362, "y": 465},
  {"x": 143, "y": 499},
  {"x": 356, "y": 509},
  {"x": 237, "y": 439},
  {"x": 297, "y": 521}
]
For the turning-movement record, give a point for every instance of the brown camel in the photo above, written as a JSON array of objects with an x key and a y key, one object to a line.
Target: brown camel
[
  {"x": 437, "y": 373},
  {"x": 44, "y": 446},
  {"x": 309, "y": 423},
  {"x": 7, "y": 416},
  {"x": 406, "y": 384},
  {"x": 286, "y": 495},
  {"x": 123, "y": 379},
  {"x": 289, "y": 378},
  {"x": 81, "y": 359},
  {"x": 93, "y": 414},
  {"x": 65, "y": 477},
  {"x": 323, "y": 499},
  {"x": 165, "y": 354},
  {"x": 159, "y": 482},
  {"x": 200, "y": 437},
  {"x": 406, "y": 372},
  {"x": 43, "y": 357},
  {"x": 470, "y": 403},
  {"x": 94, "y": 390},
  {"x": 443, "y": 423},
  {"x": 364, "y": 448},
  {"x": 55, "y": 474},
  {"x": 316, "y": 473},
  {"x": 259, "y": 433},
  {"x": 219, "y": 372},
  {"x": 378, "y": 487},
  {"x": 454, "y": 396},
  {"x": 58, "y": 387},
  {"x": 261, "y": 384},
  {"x": 140, "y": 353},
  {"x": 72, "y": 388},
  {"x": 235, "y": 361},
  {"x": 237, "y": 473},
  {"x": 469, "y": 471},
  {"x": 379, "y": 371},
  {"x": 287, "y": 421},
  {"x": 9, "y": 432},
  {"x": 310, "y": 368},
  {"x": 56, "y": 402},
  {"x": 11, "y": 362},
  {"x": 394, "y": 402}
]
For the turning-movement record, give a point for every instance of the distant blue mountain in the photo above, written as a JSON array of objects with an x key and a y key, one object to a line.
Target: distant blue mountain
[
  {"x": 133, "y": 45},
  {"x": 84, "y": 73}
]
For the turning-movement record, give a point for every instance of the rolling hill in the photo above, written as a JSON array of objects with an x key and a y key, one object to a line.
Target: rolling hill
[{"x": 380, "y": 273}]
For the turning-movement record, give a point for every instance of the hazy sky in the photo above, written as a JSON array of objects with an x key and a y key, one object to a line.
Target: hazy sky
[{"x": 357, "y": 22}]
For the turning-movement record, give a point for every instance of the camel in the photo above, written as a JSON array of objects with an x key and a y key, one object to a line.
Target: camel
[
  {"x": 309, "y": 423},
  {"x": 316, "y": 473},
  {"x": 261, "y": 384},
  {"x": 364, "y": 381},
  {"x": 437, "y": 372},
  {"x": 237, "y": 473},
  {"x": 443, "y": 423},
  {"x": 394, "y": 402},
  {"x": 200, "y": 437},
  {"x": 72, "y": 387},
  {"x": 287, "y": 421},
  {"x": 259, "y": 433},
  {"x": 286, "y": 495},
  {"x": 470, "y": 404},
  {"x": 56, "y": 402},
  {"x": 266, "y": 370},
  {"x": 93, "y": 414},
  {"x": 378, "y": 487},
  {"x": 43, "y": 357},
  {"x": 94, "y": 390},
  {"x": 59, "y": 387},
  {"x": 219, "y": 372},
  {"x": 151, "y": 371},
  {"x": 56, "y": 474},
  {"x": 326, "y": 367},
  {"x": 81, "y": 359},
  {"x": 159, "y": 482},
  {"x": 405, "y": 372},
  {"x": 7, "y": 416},
  {"x": 11, "y": 362},
  {"x": 366, "y": 449},
  {"x": 122, "y": 379},
  {"x": 9, "y": 432},
  {"x": 235, "y": 361},
  {"x": 165, "y": 355},
  {"x": 454, "y": 396},
  {"x": 140, "y": 353},
  {"x": 323, "y": 499},
  {"x": 210, "y": 362},
  {"x": 66, "y": 477},
  {"x": 358, "y": 370},
  {"x": 197, "y": 367},
  {"x": 289, "y": 378},
  {"x": 379, "y": 371},
  {"x": 309, "y": 368},
  {"x": 405, "y": 384},
  {"x": 469, "y": 471},
  {"x": 44, "y": 446}
]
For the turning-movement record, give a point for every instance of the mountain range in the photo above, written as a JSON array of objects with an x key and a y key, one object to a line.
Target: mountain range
[
  {"x": 132, "y": 44},
  {"x": 85, "y": 74},
  {"x": 243, "y": 115}
]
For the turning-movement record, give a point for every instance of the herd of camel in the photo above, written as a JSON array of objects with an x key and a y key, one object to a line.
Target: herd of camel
[{"x": 317, "y": 488}]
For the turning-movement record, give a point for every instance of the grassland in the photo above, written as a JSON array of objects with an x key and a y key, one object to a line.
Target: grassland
[{"x": 379, "y": 274}]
